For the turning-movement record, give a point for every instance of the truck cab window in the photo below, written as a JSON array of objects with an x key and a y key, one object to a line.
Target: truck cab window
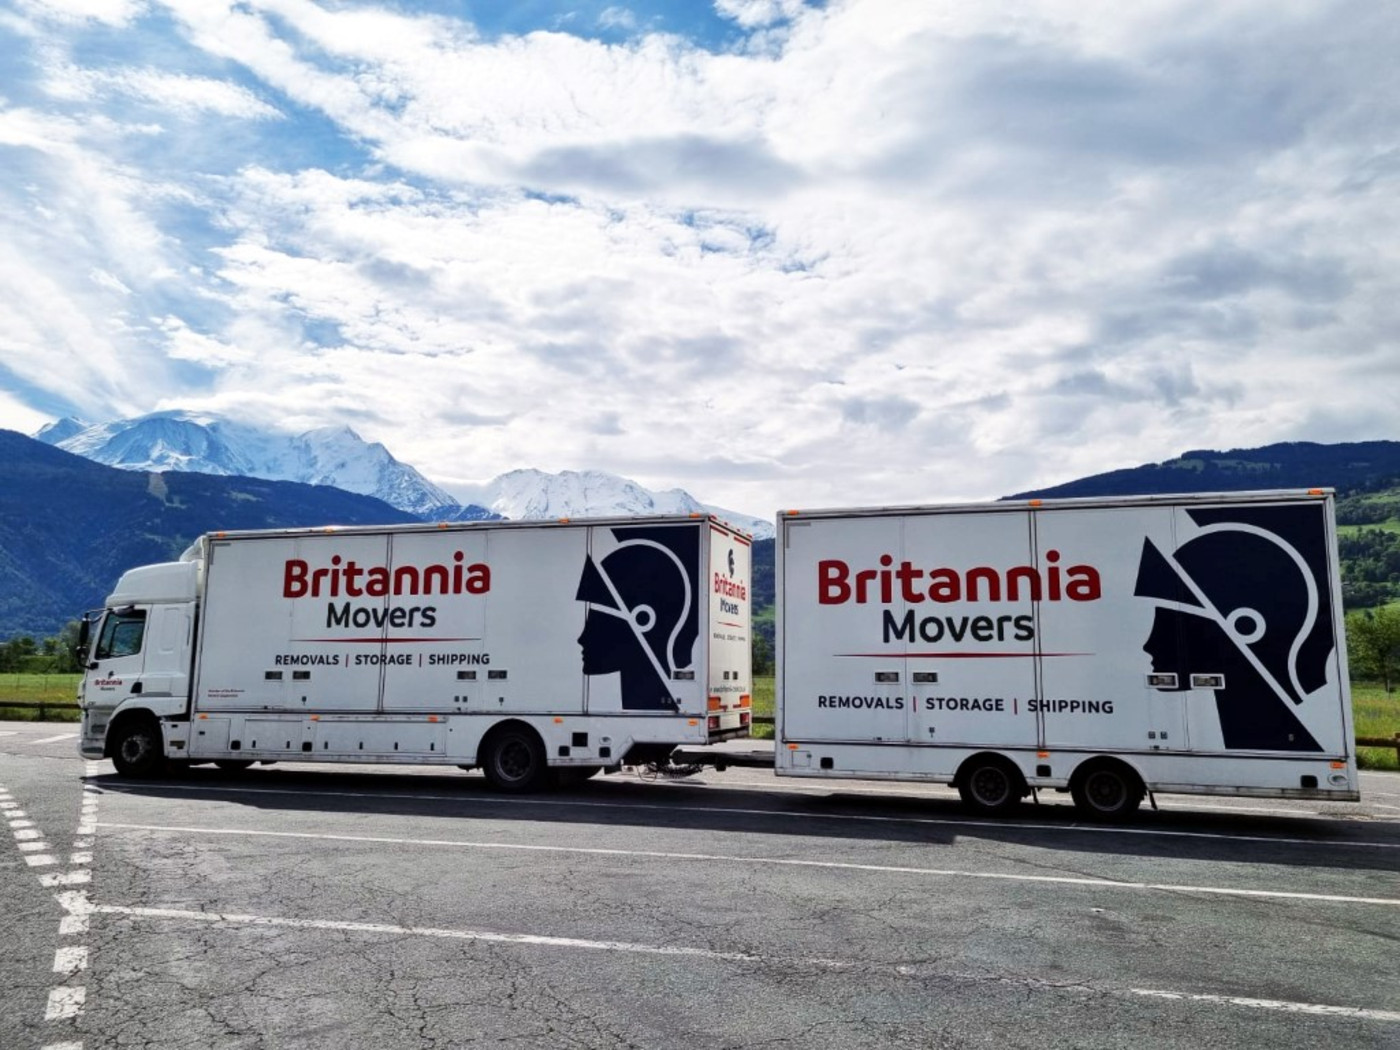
[{"x": 121, "y": 634}]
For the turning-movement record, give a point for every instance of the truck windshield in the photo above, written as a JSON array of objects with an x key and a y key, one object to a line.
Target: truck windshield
[{"x": 122, "y": 632}]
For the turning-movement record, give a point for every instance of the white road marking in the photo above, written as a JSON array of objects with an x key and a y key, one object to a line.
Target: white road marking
[
  {"x": 65, "y": 1002},
  {"x": 39, "y": 860},
  {"x": 19, "y": 823},
  {"x": 69, "y": 961},
  {"x": 82, "y": 857},
  {"x": 66, "y": 878},
  {"x": 27, "y": 835},
  {"x": 420, "y": 931},
  {"x": 9, "y": 732},
  {"x": 55, "y": 739},
  {"x": 776, "y": 862},
  {"x": 537, "y": 940},
  {"x": 672, "y": 808},
  {"x": 33, "y": 847},
  {"x": 63, "y": 1046},
  {"x": 1273, "y": 1004}
]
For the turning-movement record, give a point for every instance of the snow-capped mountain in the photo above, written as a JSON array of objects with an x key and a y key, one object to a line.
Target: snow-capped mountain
[
  {"x": 535, "y": 494},
  {"x": 208, "y": 444}
]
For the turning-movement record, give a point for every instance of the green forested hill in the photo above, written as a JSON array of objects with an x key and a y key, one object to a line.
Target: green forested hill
[{"x": 1368, "y": 527}]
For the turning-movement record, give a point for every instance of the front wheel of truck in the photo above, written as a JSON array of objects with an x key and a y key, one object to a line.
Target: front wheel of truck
[{"x": 136, "y": 748}]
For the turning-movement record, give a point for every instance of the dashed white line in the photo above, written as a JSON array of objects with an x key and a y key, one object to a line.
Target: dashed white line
[
  {"x": 69, "y": 961},
  {"x": 64, "y": 1002},
  {"x": 66, "y": 878},
  {"x": 777, "y": 862}
]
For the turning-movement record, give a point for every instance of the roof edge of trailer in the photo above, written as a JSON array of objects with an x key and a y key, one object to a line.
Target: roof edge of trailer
[
  {"x": 478, "y": 526},
  {"x": 1079, "y": 502}
]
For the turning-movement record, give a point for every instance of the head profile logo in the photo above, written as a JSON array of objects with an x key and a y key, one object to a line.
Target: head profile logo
[
  {"x": 1247, "y": 598},
  {"x": 731, "y": 563},
  {"x": 643, "y": 612}
]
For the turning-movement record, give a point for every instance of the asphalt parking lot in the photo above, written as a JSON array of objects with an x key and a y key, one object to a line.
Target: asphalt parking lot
[{"x": 348, "y": 907}]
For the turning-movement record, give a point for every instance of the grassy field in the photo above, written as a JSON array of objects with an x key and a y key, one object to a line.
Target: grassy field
[
  {"x": 1377, "y": 713},
  {"x": 35, "y": 689}
]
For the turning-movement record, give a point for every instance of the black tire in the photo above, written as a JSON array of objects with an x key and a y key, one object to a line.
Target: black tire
[
  {"x": 137, "y": 748},
  {"x": 512, "y": 757},
  {"x": 1105, "y": 790},
  {"x": 990, "y": 785},
  {"x": 233, "y": 765}
]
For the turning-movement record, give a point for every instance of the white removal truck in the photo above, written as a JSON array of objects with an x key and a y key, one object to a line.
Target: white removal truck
[
  {"x": 1107, "y": 646},
  {"x": 517, "y": 647}
]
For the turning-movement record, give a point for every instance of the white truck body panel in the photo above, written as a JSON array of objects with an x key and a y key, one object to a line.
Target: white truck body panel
[
  {"x": 910, "y": 639},
  {"x": 409, "y": 643}
]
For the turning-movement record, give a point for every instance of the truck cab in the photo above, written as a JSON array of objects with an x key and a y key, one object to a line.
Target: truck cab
[{"x": 138, "y": 664}]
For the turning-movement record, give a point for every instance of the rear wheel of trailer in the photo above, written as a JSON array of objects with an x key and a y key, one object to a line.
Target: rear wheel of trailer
[
  {"x": 990, "y": 785},
  {"x": 1106, "y": 789}
]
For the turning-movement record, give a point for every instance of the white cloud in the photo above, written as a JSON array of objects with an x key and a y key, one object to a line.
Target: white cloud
[
  {"x": 176, "y": 93},
  {"x": 106, "y": 12},
  {"x": 885, "y": 252}
]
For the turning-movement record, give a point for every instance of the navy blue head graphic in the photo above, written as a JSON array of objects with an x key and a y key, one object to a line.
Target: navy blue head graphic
[
  {"x": 643, "y": 612},
  {"x": 1247, "y": 598}
]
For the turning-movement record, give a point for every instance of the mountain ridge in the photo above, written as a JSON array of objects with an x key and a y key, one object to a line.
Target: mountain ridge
[{"x": 208, "y": 443}]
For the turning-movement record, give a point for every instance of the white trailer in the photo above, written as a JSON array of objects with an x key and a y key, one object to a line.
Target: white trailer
[
  {"x": 520, "y": 647},
  {"x": 1108, "y": 647}
]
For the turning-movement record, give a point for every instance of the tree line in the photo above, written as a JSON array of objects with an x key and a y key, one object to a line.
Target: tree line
[{"x": 56, "y": 655}]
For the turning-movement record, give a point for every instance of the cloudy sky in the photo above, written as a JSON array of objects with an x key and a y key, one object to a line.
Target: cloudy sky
[{"x": 775, "y": 253}]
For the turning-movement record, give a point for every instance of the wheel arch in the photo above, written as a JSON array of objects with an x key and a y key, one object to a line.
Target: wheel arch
[
  {"x": 502, "y": 726},
  {"x": 977, "y": 758},
  {"x": 1092, "y": 762},
  {"x": 125, "y": 715}
]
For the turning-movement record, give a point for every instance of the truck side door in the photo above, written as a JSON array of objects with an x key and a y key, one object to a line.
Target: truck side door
[{"x": 117, "y": 658}]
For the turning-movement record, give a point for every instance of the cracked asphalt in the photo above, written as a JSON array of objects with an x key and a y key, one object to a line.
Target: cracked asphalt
[{"x": 373, "y": 907}]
